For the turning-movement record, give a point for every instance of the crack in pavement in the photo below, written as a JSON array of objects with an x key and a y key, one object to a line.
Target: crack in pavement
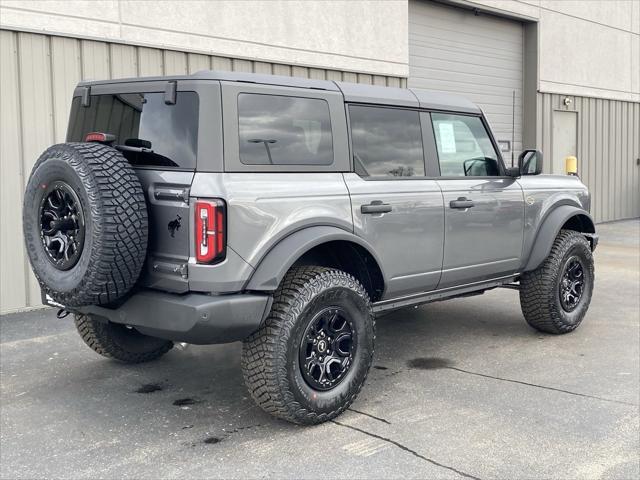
[
  {"x": 407, "y": 449},
  {"x": 542, "y": 386},
  {"x": 369, "y": 415}
]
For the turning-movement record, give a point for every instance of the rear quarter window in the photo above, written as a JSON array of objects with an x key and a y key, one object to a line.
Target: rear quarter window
[
  {"x": 169, "y": 133},
  {"x": 284, "y": 130}
]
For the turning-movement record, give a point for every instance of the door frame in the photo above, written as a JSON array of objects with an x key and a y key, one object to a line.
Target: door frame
[
  {"x": 428, "y": 147},
  {"x": 502, "y": 177},
  {"x": 552, "y": 139}
]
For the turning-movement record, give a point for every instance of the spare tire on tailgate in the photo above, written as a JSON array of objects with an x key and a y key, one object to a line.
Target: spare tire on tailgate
[{"x": 85, "y": 224}]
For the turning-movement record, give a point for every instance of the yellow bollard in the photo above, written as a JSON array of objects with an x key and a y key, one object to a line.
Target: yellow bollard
[{"x": 571, "y": 165}]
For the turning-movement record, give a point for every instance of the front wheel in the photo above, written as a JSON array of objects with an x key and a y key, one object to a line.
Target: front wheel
[
  {"x": 309, "y": 360},
  {"x": 555, "y": 296}
]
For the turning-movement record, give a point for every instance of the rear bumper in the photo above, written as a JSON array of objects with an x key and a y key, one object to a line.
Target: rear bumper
[{"x": 192, "y": 318}]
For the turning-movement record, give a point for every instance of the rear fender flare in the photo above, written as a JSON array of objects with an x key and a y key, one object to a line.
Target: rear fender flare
[
  {"x": 277, "y": 262},
  {"x": 548, "y": 231}
]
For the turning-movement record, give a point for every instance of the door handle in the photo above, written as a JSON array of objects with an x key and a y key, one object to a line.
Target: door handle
[
  {"x": 461, "y": 202},
  {"x": 375, "y": 207}
]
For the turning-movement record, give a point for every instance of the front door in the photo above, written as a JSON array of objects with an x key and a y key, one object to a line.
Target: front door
[
  {"x": 395, "y": 207},
  {"x": 564, "y": 139},
  {"x": 484, "y": 210}
]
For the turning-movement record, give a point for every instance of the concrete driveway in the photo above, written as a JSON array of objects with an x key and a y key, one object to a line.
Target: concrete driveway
[{"x": 462, "y": 388}]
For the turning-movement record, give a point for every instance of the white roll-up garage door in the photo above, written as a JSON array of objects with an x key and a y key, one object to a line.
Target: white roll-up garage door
[{"x": 477, "y": 56}]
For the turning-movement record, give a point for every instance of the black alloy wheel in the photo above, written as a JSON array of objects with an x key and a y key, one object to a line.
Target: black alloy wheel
[
  {"x": 327, "y": 348},
  {"x": 571, "y": 284},
  {"x": 62, "y": 226}
]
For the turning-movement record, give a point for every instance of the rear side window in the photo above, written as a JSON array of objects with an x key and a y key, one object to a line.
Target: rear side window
[
  {"x": 386, "y": 142},
  {"x": 281, "y": 130},
  {"x": 159, "y": 135}
]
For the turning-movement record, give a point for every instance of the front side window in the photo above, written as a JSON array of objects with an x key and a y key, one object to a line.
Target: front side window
[
  {"x": 464, "y": 146},
  {"x": 386, "y": 142},
  {"x": 159, "y": 135},
  {"x": 281, "y": 130}
]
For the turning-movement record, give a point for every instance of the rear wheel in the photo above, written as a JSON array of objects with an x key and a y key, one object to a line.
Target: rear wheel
[
  {"x": 555, "y": 296},
  {"x": 309, "y": 360},
  {"x": 120, "y": 342}
]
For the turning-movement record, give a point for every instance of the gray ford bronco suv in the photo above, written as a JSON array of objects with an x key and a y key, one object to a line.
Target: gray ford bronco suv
[{"x": 287, "y": 213}]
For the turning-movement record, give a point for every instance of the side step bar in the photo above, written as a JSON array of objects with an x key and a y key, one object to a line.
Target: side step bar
[{"x": 435, "y": 295}]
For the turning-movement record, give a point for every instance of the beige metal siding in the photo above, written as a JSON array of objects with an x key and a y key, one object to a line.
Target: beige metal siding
[
  {"x": 38, "y": 75},
  {"x": 13, "y": 274},
  {"x": 608, "y": 151}
]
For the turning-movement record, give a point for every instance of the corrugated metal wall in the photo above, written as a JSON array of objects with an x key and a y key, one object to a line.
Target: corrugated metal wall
[
  {"x": 38, "y": 74},
  {"x": 608, "y": 149}
]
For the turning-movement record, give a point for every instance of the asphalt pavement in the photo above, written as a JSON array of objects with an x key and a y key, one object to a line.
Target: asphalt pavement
[{"x": 459, "y": 389}]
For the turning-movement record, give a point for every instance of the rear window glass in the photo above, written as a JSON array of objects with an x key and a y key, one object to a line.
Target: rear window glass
[
  {"x": 157, "y": 134},
  {"x": 279, "y": 130}
]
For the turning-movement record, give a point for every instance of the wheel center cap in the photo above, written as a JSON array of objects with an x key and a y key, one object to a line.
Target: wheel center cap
[{"x": 322, "y": 346}]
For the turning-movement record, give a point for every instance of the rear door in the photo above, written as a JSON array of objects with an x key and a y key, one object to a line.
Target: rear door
[
  {"x": 159, "y": 138},
  {"x": 484, "y": 209},
  {"x": 396, "y": 207}
]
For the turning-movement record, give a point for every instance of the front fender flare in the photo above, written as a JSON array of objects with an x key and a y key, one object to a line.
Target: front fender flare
[
  {"x": 275, "y": 264},
  {"x": 548, "y": 231}
]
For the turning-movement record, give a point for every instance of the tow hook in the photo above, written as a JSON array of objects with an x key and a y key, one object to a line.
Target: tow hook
[{"x": 62, "y": 313}]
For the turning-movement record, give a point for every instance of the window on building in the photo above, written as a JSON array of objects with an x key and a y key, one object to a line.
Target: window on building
[
  {"x": 281, "y": 130},
  {"x": 386, "y": 142},
  {"x": 464, "y": 146}
]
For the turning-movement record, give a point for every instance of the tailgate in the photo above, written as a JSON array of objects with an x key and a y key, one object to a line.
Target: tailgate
[
  {"x": 157, "y": 132},
  {"x": 167, "y": 194}
]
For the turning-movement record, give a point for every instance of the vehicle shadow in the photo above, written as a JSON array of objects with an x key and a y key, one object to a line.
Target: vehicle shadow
[{"x": 201, "y": 390}]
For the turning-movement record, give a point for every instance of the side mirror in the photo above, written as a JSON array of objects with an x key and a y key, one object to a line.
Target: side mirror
[{"x": 530, "y": 162}]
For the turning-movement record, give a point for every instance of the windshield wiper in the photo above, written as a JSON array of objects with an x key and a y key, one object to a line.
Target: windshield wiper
[{"x": 128, "y": 148}]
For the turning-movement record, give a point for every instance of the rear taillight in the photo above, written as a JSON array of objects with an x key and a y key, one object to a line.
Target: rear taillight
[
  {"x": 99, "y": 137},
  {"x": 210, "y": 230}
]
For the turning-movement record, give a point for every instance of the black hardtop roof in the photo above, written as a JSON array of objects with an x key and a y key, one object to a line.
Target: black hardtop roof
[{"x": 352, "y": 92}]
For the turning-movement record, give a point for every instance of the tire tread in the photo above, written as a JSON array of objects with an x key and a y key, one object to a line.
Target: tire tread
[
  {"x": 120, "y": 224},
  {"x": 538, "y": 289},
  {"x": 97, "y": 336},
  {"x": 264, "y": 352}
]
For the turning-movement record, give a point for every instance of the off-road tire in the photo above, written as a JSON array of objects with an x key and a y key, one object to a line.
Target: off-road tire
[
  {"x": 540, "y": 288},
  {"x": 120, "y": 342},
  {"x": 270, "y": 363},
  {"x": 115, "y": 224}
]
